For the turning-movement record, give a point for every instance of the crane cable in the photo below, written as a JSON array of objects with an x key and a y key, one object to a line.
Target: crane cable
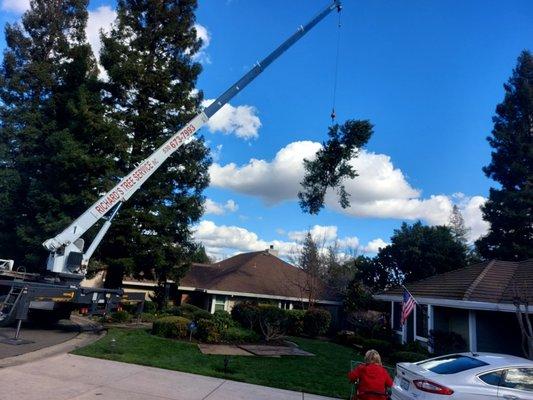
[{"x": 333, "y": 114}]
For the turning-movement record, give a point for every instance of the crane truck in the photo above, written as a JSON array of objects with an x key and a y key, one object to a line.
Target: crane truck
[{"x": 59, "y": 290}]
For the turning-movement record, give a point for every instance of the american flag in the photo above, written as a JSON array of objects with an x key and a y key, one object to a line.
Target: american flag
[{"x": 408, "y": 304}]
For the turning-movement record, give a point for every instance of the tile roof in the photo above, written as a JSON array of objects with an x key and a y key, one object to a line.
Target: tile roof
[
  {"x": 258, "y": 272},
  {"x": 490, "y": 281}
]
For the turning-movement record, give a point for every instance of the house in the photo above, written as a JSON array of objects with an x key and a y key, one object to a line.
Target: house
[
  {"x": 258, "y": 276},
  {"x": 476, "y": 302}
]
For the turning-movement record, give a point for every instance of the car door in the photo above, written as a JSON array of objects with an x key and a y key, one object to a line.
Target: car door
[{"x": 516, "y": 384}]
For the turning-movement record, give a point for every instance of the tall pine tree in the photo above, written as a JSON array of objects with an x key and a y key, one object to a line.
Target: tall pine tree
[
  {"x": 509, "y": 208},
  {"x": 56, "y": 147},
  {"x": 148, "y": 57}
]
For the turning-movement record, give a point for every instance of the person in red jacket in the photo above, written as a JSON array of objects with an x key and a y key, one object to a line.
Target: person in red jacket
[{"x": 373, "y": 379}]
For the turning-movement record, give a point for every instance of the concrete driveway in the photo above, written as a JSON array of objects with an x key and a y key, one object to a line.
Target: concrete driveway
[{"x": 70, "y": 377}]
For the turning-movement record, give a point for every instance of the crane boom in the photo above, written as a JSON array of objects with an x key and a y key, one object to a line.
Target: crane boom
[{"x": 123, "y": 190}]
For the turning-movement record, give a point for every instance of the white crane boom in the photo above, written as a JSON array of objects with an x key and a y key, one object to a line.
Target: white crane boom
[{"x": 66, "y": 249}]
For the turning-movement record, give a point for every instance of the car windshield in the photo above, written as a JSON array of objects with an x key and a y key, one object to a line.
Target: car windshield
[{"x": 451, "y": 364}]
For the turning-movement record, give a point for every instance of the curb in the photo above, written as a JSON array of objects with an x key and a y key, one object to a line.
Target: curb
[{"x": 89, "y": 332}]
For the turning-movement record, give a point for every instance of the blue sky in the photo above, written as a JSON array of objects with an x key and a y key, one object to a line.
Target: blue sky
[{"x": 427, "y": 74}]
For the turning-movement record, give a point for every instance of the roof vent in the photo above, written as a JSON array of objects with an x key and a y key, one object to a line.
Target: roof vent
[{"x": 272, "y": 251}]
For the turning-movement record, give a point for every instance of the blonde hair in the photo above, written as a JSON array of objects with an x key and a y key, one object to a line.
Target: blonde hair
[{"x": 372, "y": 357}]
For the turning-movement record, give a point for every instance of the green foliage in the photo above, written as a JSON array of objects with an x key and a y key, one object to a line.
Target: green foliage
[
  {"x": 295, "y": 322},
  {"x": 235, "y": 334},
  {"x": 201, "y": 314},
  {"x": 246, "y": 314},
  {"x": 120, "y": 316},
  {"x": 171, "y": 327},
  {"x": 150, "y": 307},
  {"x": 272, "y": 322},
  {"x": 148, "y": 317},
  {"x": 148, "y": 56},
  {"x": 222, "y": 320},
  {"x": 189, "y": 309},
  {"x": 207, "y": 331},
  {"x": 316, "y": 322},
  {"x": 57, "y": 148},
  {"x": 176, "y": 311},
  {"x": 509, "y": 207},
  {"x": 418, "y": 251},
  {"x": 331, "y": 164},
  {"x": 383, "y": 347}
]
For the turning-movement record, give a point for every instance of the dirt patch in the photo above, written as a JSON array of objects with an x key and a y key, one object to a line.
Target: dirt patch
[{"x": 223, "y": 349}]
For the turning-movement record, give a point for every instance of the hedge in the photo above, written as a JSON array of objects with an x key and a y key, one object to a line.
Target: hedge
[
  {"x": 207, "y": 331},
  {"x": 171, "y": 327},
  {"x": 295, "y": 322},
  {"x": 316, "y": 322}
]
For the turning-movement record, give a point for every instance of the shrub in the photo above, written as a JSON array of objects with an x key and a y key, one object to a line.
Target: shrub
[
  {"x": 295, "y": 322},
  {"x": 207, "y": 331},
  {"x": 316, "y": 322},
  {"x": 148, "y": 317},
  {"x": 187, "y": 310},
  {"x": 171, "y": 327},
  {"x": 383, "y": 347},
  {"x": 349, "y": 338},
  {"x": 235, "y": 334},
  {"x": 272, "y": 322},
  {"x": 120, "y": 316},
  {"x": 175, "y": 311},
  {"x": 446, "y": 342},
  {"x": 201, "y": 314},
  {"x": 246, "y": 314},
  {"x": 408, "y": 356},
  {"x": 150, "y": 307},
  {"x": 222, "y": 320}
]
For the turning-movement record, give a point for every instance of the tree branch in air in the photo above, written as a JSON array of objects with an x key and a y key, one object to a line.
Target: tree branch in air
[{"x": 332, "y": 164}]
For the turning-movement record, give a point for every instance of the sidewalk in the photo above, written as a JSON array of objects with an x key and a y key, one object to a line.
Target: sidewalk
[{"x": 70, "y": 377}]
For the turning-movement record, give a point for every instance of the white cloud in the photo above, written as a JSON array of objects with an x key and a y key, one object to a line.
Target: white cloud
[
  {"x": 100, "y": 19},
  {"x": 202, "y": 33},
  {"x": 223, "y": 241},
  {"x": 319, "y": 234},
  {"x": 375, "y": 245},
  {"x": 380, "y": 191},
  {"x": 16, "y": 6},
  {"x": 473, "y": 217},
  {"x": 212, "y": 207},
  {"x": 242, "y": 121}
]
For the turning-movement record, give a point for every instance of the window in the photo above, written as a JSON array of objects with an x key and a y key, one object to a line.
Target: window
[
  {"x": 422, "y": 320},
  {"x": 492, "y": 378},
  {"x": 397, "y": 308},
  {"x": 452, "y": 364},
  {"x": 519, "y": 378},
  {"x": 220, "y": 303}
]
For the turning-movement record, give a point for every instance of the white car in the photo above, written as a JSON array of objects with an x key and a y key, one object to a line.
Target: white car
[{"x": 465, "y": 376}]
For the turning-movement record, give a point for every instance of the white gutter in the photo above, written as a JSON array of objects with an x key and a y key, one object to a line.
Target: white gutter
[
  {"x": 266, "y": 296},
  {"x": 464, "y": 304}
]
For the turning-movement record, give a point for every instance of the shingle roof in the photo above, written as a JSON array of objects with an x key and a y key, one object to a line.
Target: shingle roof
[
  {"x": 257, "y": 272},
  {"x": 490, "y": 281}
]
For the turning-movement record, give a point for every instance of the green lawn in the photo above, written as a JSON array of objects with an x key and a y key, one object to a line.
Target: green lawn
[{"x": 324, "y": 374}]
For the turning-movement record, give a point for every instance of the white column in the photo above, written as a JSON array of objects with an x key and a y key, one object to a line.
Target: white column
[
  {"x": 414, "y": 323},
  {"x": 431, "y": 325},
  {"x": 472, "y": 333},
  {"x": 213, "y": 299},
  {"x": 392, "y": 315}
]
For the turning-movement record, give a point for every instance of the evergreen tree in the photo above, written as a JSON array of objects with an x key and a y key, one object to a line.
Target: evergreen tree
[
  {"x": 55, "y": 144},
  {"x": 152, "y": 75},
  {"x": 509, "y": 208},
  {"x": 418, "y": 251}
]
